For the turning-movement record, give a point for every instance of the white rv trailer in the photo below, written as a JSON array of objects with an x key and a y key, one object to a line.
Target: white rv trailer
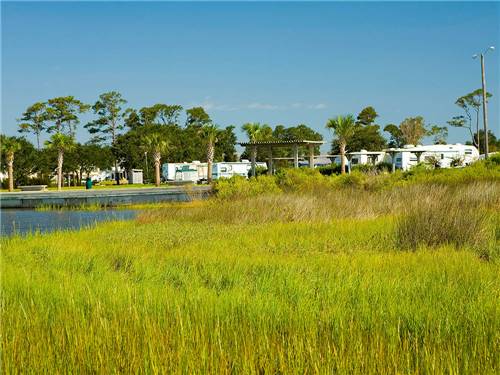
[
  {"x": 230, "y": 169},
  {"x": 184, "y": 172},
  {"x": 109, "y": 174},
  {"x": 410, "y": 155},
  {"x": 366, "y": 157}
]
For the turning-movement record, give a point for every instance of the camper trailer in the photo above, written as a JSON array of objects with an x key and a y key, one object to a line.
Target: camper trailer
[
  {"x": 197, "y": 172},
  {"x": 410, "y": 155},
  {"x": 185, "y": 172},
  {"x": 230, "y": 169},
  {"x": 366, "y": 157}
]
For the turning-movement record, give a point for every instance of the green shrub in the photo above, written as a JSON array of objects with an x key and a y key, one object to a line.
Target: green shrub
[
  {"x": 303, "y": 180},
  {"x": 493, "y": 161},
  {"x": 259, "y": 171},
  {"x": 328, "y": 170},
  {"x": 240, "y": 187},
  {"x": 365, "y": 168},
  {"x": 384, "y": 167},
  {"x": 354, "y": 179}
]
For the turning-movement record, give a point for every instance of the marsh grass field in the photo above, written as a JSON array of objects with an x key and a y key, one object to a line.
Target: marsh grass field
[{"x": 330, "y": 276}]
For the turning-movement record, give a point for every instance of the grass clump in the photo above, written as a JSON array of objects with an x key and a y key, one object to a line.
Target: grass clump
[{"x": 464, "y": 218}]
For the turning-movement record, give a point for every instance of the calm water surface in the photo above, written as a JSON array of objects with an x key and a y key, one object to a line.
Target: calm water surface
[{"x": 25, "y": 221}]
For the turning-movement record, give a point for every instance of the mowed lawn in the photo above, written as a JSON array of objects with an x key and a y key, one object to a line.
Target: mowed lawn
[{"x": 179, "y": 294}]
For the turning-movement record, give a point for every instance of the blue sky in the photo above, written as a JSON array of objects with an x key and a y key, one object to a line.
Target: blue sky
[{"x": 275, "y": 63}]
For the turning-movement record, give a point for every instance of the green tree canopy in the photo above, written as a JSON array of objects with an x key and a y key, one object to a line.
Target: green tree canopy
[
  {"x": 343, "y": 128},
  {"x": 9, "y": 147},
  {"x": 63, "y": 113},
  {"x": 110, "y": 116},
  {"x": 34, "y": 120},
  {"x": 411, "y": 131},
  {"x": 439, "y": 134},
  {"x": 367, "y": 116},
  {"x": 197, "y": 116},
  {"x": 493, "y": 141},
  {"x": 225, "y": 150},
  {"x": 26, "y": 161},
  {"x": 367, "y": 135},
  {"x": 470, "y": 104}
]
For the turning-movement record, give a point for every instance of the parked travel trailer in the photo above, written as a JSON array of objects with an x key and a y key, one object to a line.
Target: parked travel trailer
[
  {"x": 366, "y": 157},
  {"x": 230, "y": 169},
  {"x": 110, "y": 174},
  {"x": 185, "y": 172},
  {"x": 196, "y": 172},
  {"x": 410, "y": 155}
]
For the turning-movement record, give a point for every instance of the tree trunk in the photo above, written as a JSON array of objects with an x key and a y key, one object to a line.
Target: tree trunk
[
  {"x": 342, "y": 158},
  {"x": 38, "y": 140},
  {"x": 157, "y": 159},
  {"x": 10, "y": 165},
  {"x": 60, "y": 158},
  {"x": 117, "y": 176},
  {"x": 210, "y": 160}
]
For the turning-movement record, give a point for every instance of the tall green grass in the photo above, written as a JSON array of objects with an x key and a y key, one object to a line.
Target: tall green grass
[{"x": 309, "y": 281}]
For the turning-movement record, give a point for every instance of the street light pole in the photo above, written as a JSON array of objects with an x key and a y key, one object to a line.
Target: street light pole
[
  {"x": 485, "y": 109},
  {"x": 485, "y": 105}
]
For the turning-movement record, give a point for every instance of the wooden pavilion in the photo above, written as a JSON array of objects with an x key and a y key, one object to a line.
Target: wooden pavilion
[{"x": 269, "y": 145}]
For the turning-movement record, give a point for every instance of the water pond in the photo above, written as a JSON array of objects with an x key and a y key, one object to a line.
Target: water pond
[{"x": 22, "y": 221}]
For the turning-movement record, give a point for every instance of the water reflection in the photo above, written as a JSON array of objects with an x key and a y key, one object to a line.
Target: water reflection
[{"x": 25, "y": 221}]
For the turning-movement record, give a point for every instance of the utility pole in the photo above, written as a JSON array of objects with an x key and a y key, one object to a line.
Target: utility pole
[
  {"x": 485, "y": 109},
  {"x": 146, "y": 156},
  {"x": 485, "y": 104}
]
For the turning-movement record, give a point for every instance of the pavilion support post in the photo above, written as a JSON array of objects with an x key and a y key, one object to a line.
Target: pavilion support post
[
  {"x": 295, "y": 156},
  {"x": 270, "y": 163},
  {"x": 311, "y": 156},
  {"x": 253, "y": 156}
]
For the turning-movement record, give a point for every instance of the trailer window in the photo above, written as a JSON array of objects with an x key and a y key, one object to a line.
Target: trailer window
[
  {"x": 468, "y": 152},
  {"x": 354, "y": 161},
  {"x": 442, "y": 156}
]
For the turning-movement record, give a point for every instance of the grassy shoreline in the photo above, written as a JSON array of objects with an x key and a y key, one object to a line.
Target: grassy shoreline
[{"x": 321, "y": 281}]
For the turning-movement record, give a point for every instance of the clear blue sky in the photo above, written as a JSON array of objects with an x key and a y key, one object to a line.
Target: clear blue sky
[{"x": 276, "y": 63}]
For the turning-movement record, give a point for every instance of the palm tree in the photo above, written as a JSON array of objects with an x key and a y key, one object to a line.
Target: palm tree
[
  {"x": 156, "y": 144},
  {"x": 10, "y": 146},
  {"x": 256, "y": 132},
  {"x": 343, "y": 127},
  {"x": 210, "y": 132},
  {"x": 62, "y": 143}
]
